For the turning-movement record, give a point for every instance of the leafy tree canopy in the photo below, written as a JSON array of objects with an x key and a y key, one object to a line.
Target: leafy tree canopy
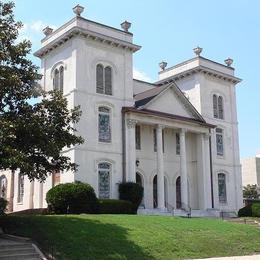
[
  {"x": 251, "y": 191},
  {"x": 32, "y": 136}
]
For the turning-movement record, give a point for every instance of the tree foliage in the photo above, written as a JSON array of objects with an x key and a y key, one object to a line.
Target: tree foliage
[
  {"x": 32, "y": 136},
  {"x": 251, "y": 191}
]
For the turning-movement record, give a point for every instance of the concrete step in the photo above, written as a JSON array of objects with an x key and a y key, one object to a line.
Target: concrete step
[
  {"x": 15, "y": 256},
  {"x": 15, "y": 245},
  {"x": 14, "y": 250}
]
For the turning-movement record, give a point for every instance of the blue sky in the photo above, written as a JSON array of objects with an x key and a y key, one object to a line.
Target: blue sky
[{"x": 169, "y": 30}]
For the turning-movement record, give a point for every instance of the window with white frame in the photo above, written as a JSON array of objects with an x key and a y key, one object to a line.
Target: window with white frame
[
  {"x": 138, "y": 137},
  {"x": 154, "y": 140},
  {"x": 58, "y": 78},
  {"x": 219, "y": 141},
  {"x": 3, "y": 186},
  {"x": 178, "y": 144},
  {"x": 20, "y": 188},
  {"x": 104, "y": 175},
  {"x": 218, "y": 107},
  {"x": 222, "y": 191},
  {"x": 104, "y": 125},
  {"x": 104, "y": 79}
]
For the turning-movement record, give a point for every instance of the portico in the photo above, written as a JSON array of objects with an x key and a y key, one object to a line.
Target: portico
[{"x": 193, "y": 168}]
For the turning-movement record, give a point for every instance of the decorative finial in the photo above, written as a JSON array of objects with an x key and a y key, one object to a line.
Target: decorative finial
[
  {"x": 228, "y": 62},
  {"x": 125, "y": 26},
  {"x": 78, "y": 9},
  {"x": 197, "y": 50},
  {"x": 47, "y": 31},
  {"x": 163, "y": 65}
]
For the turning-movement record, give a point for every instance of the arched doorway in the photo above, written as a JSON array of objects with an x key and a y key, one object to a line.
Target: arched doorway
[
  {"x": 3, "y": 186},
  {"x": 155, "y": 197},
  {"x": 139, "y": 180},
  {"x": 178, "y": 192}
]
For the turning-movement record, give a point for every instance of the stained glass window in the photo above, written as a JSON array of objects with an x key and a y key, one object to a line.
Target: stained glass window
[
  {"x": 58, "y": 79},
  {"x": 104, "y": 180},
  {"x": 3, "y": 186},
  {"x": 103, "y": 79},
  {"x": 154, "y": 140},
  {"x": 104, "y": 128},
  {"x": 138, "y": 137},
  {"x": 219, "y": 141},
  {"x": 220, "y": 108},
  {"x": 100, "y": 79},
  {"x": 20, "y": 188},
  {"x": 222, "y": 194},
  {"x": 108, "y": 81},
  {"x": 215, "y": 106}
]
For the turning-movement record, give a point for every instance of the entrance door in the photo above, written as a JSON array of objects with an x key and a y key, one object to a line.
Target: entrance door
[{"x": 178, "y": 192}]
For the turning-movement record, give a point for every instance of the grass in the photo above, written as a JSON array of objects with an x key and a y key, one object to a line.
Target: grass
[{"x": 134, "y": 237}]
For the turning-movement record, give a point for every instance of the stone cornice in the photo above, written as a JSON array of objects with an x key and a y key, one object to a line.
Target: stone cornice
[
  {"x": 203, "y": 70},
  {"x": 78, "y": 31}
]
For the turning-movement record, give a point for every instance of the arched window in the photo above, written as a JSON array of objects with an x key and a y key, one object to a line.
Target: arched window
[
  {"x": 219, "y": 141},
  {"x": 20, "y": 188},
  {"x": 104, "y": 125},
  {"x": 222, "y": 193},
  {"x": 58, "y": 79},
  {"x": 218, "y": 107},
  {"x": 3, "y": 186},
  {"x": 104, "y": 79},
  {"x": 104, "y": 172}
]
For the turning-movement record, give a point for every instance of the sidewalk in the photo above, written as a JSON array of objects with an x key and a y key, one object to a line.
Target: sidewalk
[{"x": 248, "y": 257}]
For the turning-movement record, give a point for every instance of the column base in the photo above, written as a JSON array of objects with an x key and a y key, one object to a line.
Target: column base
[{"x": 162, "y": 209}]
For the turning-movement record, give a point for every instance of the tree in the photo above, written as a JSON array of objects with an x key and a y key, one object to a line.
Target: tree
[
  {"x": 251, "y": 191},
  {"x": 32, "y": 136}
]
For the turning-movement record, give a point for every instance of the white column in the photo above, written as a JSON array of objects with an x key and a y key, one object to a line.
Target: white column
[
  {"x": 31, "y": 204},
  {"x": 205, "y": 169},
  {"x": 11, "y": 198},
  {"x": 160, "y": 168},
  {"x": 41, "y": 195},
  {"x": 184, "y": 175},
  {"x": 130, "y": 150}
]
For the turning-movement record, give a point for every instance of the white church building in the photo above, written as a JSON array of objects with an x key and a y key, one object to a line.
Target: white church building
[{"x": 177, "y": 137}]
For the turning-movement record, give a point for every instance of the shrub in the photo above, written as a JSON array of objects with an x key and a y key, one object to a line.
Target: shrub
[
  {"x": 256, "y": 210},
  {"x": 3, "y": 206},
  {"x": 72, "y": 198},
  {"x": 132, "y": 192},
  {"x": 245, "y": 211},
  {"x": 109, "y": 206}
]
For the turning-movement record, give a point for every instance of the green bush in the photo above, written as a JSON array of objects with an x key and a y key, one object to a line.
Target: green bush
[
  {"x": 132, "y": 192},
  {"x": 256, "y": 210},
  {"x": 245, "y": 211},
  {"x": 109, "y": 206},
  {"x": 3, "y": 206},
  {"x": 73, "y": 198}
]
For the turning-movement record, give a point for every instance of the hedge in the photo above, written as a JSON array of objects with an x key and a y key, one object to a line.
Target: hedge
[
  {"x": 132, "y": 192},
  {"x": 3, "y": 206},
  {"x": 245, "y": 211},
  {"x": 256, "y": 210},
  {"x": 111, "y": 206},
  {"x": 72, "y": 198}
]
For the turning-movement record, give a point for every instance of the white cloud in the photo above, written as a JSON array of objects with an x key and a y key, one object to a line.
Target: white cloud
[
  {"x": 37, "y": 26},
  {"x": 138, "y": 74}
]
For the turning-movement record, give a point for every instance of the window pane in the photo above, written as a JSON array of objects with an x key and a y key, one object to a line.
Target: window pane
[
  {"x": 20, "y": 187},
  {"x": 56, "y": 80},
  {"x": 220, "y": 108},
  {"x": 138, "y": 137},
  {"x": 61, "y": 78},
  {"x": 154, "y": 141},
  {"x": 103, "y": 109},
  {"x": 104, "y": 128},
  {"x": 219, "y": 141},
  {"x": 3, "y": 187},
  {"x": 178, "y": 146},
  {"x": 222, "y": 188},
  {"x": 104, "y": 166},
  {"x": 104, "y": 184},
  {"x": 108, "y": 81},
  {"x": 99, "y": 79},
  {"x": 215, "y": 106}
]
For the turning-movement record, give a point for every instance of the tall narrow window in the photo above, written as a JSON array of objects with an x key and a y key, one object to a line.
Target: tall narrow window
[
  {"x": 20, "y": 188},
  {"x": 222, "y": 193},
  {"x": 104, "y": 127},
  {"x": 219, "y": 141},
  {"x": 215, "y": 106},
  {"x": 138, "y": 137},
  {"x": 103, "y": 79},
  {"x": 100, "y": 78},
  {"x": 154, "y": 140},
  {"x": 220, "y": 108},
  {"x": 178, "y": 145},
  {"x": 58, "y": 79},
  {"x": 104, "y": 171},
  {"x": 163, "y": 139},
  {"x": 3, "y": 186}
]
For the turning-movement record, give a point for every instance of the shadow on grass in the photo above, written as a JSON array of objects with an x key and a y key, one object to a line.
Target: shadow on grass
[{"x": 76, "y": 237}]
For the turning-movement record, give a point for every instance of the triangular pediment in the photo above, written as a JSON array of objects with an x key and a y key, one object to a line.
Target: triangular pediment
[{"x": 170, "y": 101}]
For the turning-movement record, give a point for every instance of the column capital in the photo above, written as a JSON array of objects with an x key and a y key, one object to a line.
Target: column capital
[
  {"x": 183, "y": 131},
  {"x": 206, "y": 136},
  {"x": 131, "y": 123},
  {"x": 159, "y": 126}
]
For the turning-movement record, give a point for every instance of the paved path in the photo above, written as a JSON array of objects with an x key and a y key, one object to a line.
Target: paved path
[{"x": 251, "y": 257}]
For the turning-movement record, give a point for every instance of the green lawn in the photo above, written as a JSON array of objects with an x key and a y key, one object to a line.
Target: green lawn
[{"x": 135, "y": 237}]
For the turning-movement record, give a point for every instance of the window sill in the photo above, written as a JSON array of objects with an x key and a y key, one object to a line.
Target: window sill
[{"x": 105, "y": 143}]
